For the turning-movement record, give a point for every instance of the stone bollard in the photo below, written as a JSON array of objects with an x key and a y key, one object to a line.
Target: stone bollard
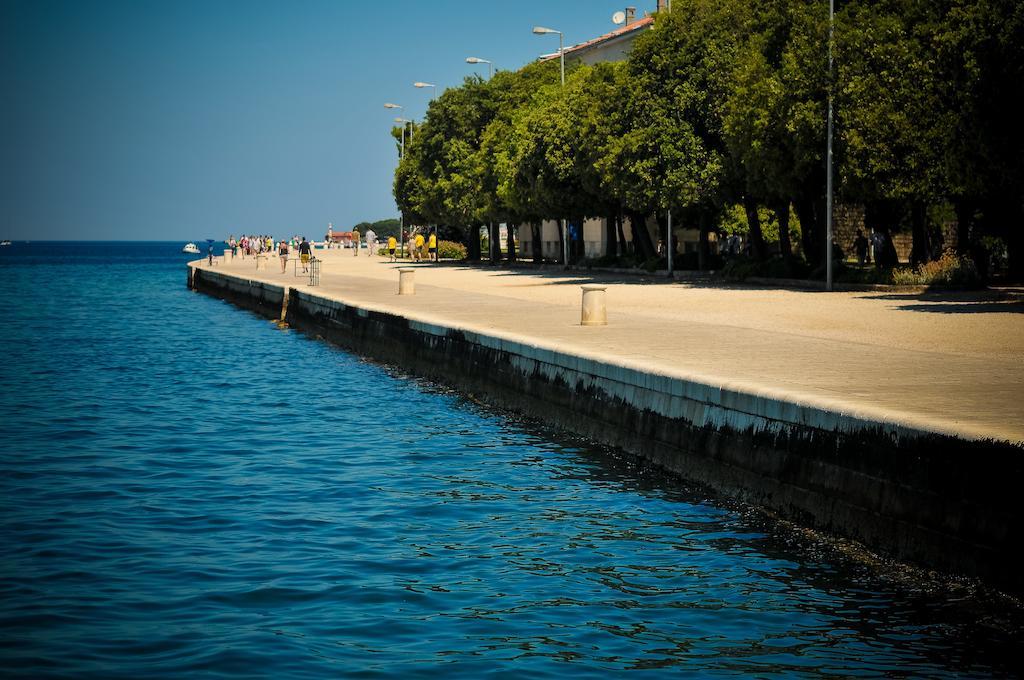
[
  {"x": 227, "y": 255},
  {"x": 406, "y": 281},
  {"x": 261, "y": 262},
  {"x": 594, "y": 313}
]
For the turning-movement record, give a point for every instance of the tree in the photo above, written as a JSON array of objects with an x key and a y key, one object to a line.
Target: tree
[
  {"x": 980, "y": 49},
  {"x": 892, "y": 123},
  {"x": 670, "y": 154},
  {"x": 774, "y": 116}
]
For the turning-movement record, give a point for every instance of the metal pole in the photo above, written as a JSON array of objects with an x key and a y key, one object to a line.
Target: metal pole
[
  {"x": 565, "y": 242},
  {"x": 565, "y": 223},
  {"x": 670, "y": 248},
  {"x": 401, "y": 214},
  {"x": 561, "y": 55},
  {"x": 828, "y": 180}
]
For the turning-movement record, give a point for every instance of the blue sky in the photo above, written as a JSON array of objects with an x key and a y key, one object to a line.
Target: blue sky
[{"x": 185, "y": 119}]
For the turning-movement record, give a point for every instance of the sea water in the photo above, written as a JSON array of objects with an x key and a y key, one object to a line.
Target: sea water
[{"x": 187, "y": 489}]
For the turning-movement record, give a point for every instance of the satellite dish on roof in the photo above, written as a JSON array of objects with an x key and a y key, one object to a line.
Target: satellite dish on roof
[{"x": 619, "y": 18}]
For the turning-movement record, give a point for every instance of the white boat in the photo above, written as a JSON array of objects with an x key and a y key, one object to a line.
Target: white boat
[
  {"x": 5, "y": 242},
  {"x": 191, "y": 248}
]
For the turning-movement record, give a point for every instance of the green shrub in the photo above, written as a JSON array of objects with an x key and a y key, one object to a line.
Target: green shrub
[
  {"x": 451, "y": 250},
  {"x": 949, "y": 270}
]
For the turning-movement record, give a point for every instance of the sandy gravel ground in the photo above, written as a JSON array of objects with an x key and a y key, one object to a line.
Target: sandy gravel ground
[{"x": 945, "y": 361}]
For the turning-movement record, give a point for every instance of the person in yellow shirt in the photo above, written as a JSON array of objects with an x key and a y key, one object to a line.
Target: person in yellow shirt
[
  {"x": 432, "y": 246},
  {"x": 419, "y": 246},
  {"x": 392, "y": 245}
]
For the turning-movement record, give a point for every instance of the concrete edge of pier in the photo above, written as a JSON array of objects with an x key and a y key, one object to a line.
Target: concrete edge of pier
[{"x": 917, "y": 490}]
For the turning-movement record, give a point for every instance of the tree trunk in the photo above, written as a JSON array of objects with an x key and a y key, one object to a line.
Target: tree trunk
[
  {"x": 577, "y": 244},
  {"x": 611, "y": 243},
  {"x": 473, "y": 243},
  {"x": 782, "y": 215},
  {"x": 964, "y": 216},
  {"x": 621, "y": 232},
  {"x": 812, "y": 236},
  {"x": 705, "y": 224},
  {"x": 642, "y": 245},
  {"x": 920, "y": 251},
  {"x": 1014, "y": 237},
  {"x": 535, "y": 242},
  {"x": 494, "y": 241},
  {"x": 662, "y": 246},
  {"x": 757, "y": 244},
  {"x": 561, "y": 242},
  {"x": 510, "y": 240}
]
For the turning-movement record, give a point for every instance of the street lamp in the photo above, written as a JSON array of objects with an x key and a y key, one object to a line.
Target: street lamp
[
  {"x": 478, "y": 60},
  {"x": 540, "y": 30},
  {"x": 404, "y": 122},
  {"x": 828, "y": 171},
  {"x": 422, "y": 85},
  {"x": 401, "y": 215},
  {"x": 389, "y": 105}
]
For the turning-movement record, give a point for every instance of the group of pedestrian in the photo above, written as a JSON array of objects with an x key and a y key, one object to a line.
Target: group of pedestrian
[
  {"x": 420, "y": 247},
  {"x": 249, "y": 244},
  {"x": 304, "y": 247},
  {"x": 879, "y": 244},
  {"x": 252, "y": 245}
]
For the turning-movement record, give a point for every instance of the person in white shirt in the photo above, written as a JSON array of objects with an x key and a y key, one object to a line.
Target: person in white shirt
[{"x": 371, "y": 241}]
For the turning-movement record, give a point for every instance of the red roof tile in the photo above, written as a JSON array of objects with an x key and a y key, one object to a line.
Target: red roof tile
[{"x": 622, "y": 30}]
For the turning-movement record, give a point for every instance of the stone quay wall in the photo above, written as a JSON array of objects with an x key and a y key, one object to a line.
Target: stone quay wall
[{"x": 931, "y": 498}]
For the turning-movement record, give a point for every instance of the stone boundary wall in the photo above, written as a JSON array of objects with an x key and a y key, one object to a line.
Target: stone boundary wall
[{"x": 927, "y": 497}]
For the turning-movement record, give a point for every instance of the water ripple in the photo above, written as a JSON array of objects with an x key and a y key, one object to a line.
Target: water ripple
[{"x": 189, "y": 491}]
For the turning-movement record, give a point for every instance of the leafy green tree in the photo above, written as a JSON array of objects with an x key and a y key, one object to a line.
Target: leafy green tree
[
  {"x": 979, "y": 45},
  {"x": 671, "y": 154},
  {"x": 892, "y": 122},
  {"x": 774, "y": 116}
]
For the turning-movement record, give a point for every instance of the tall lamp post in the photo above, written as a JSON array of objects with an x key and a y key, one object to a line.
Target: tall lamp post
[
  {"x": 405, "y": 122},
  {"x": 401, "y": 214},
  {"x": 478, "y": 60},
  {"x": 433, "y": 87},
  {"x": 399, "y": 106},
  {"x": 828, "y": 163},
  {"x": 433, "y": 93},
  {"x": 540, "y": 30}
]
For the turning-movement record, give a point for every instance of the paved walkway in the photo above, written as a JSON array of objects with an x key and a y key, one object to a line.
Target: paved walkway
[{"x": 945, "y": 362}]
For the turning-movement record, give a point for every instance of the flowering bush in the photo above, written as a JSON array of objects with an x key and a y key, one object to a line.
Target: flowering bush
[
  {"x": 450, "y": 250},
  {"x": 949, "y": 270}
]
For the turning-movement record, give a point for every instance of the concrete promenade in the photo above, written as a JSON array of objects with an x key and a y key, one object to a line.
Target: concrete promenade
[{"x": 948, "y": 363}]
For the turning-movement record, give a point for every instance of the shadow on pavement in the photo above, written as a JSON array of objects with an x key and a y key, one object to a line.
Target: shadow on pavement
[
  {"x": 955, "y": 302},
  {"x": 1009, "y": 307}
]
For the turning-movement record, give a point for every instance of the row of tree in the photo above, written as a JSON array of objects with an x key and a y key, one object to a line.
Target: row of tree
[{"x": 723, "y": 103}]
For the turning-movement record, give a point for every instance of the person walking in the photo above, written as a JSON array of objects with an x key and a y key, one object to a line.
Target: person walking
[
  {"x": 355, "y": 242},
  {"x": 371, "y": 242},
  {"x": 283, "y": 252},
  {"x": 860, "y": 246},
  {"x": 419, "y": 246},
  {"x": 410, "y": 245},
  {"x": 432, "y": 246},
  {"x": 304, "y": 254},
  {"x": 392, "y": 247}
]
